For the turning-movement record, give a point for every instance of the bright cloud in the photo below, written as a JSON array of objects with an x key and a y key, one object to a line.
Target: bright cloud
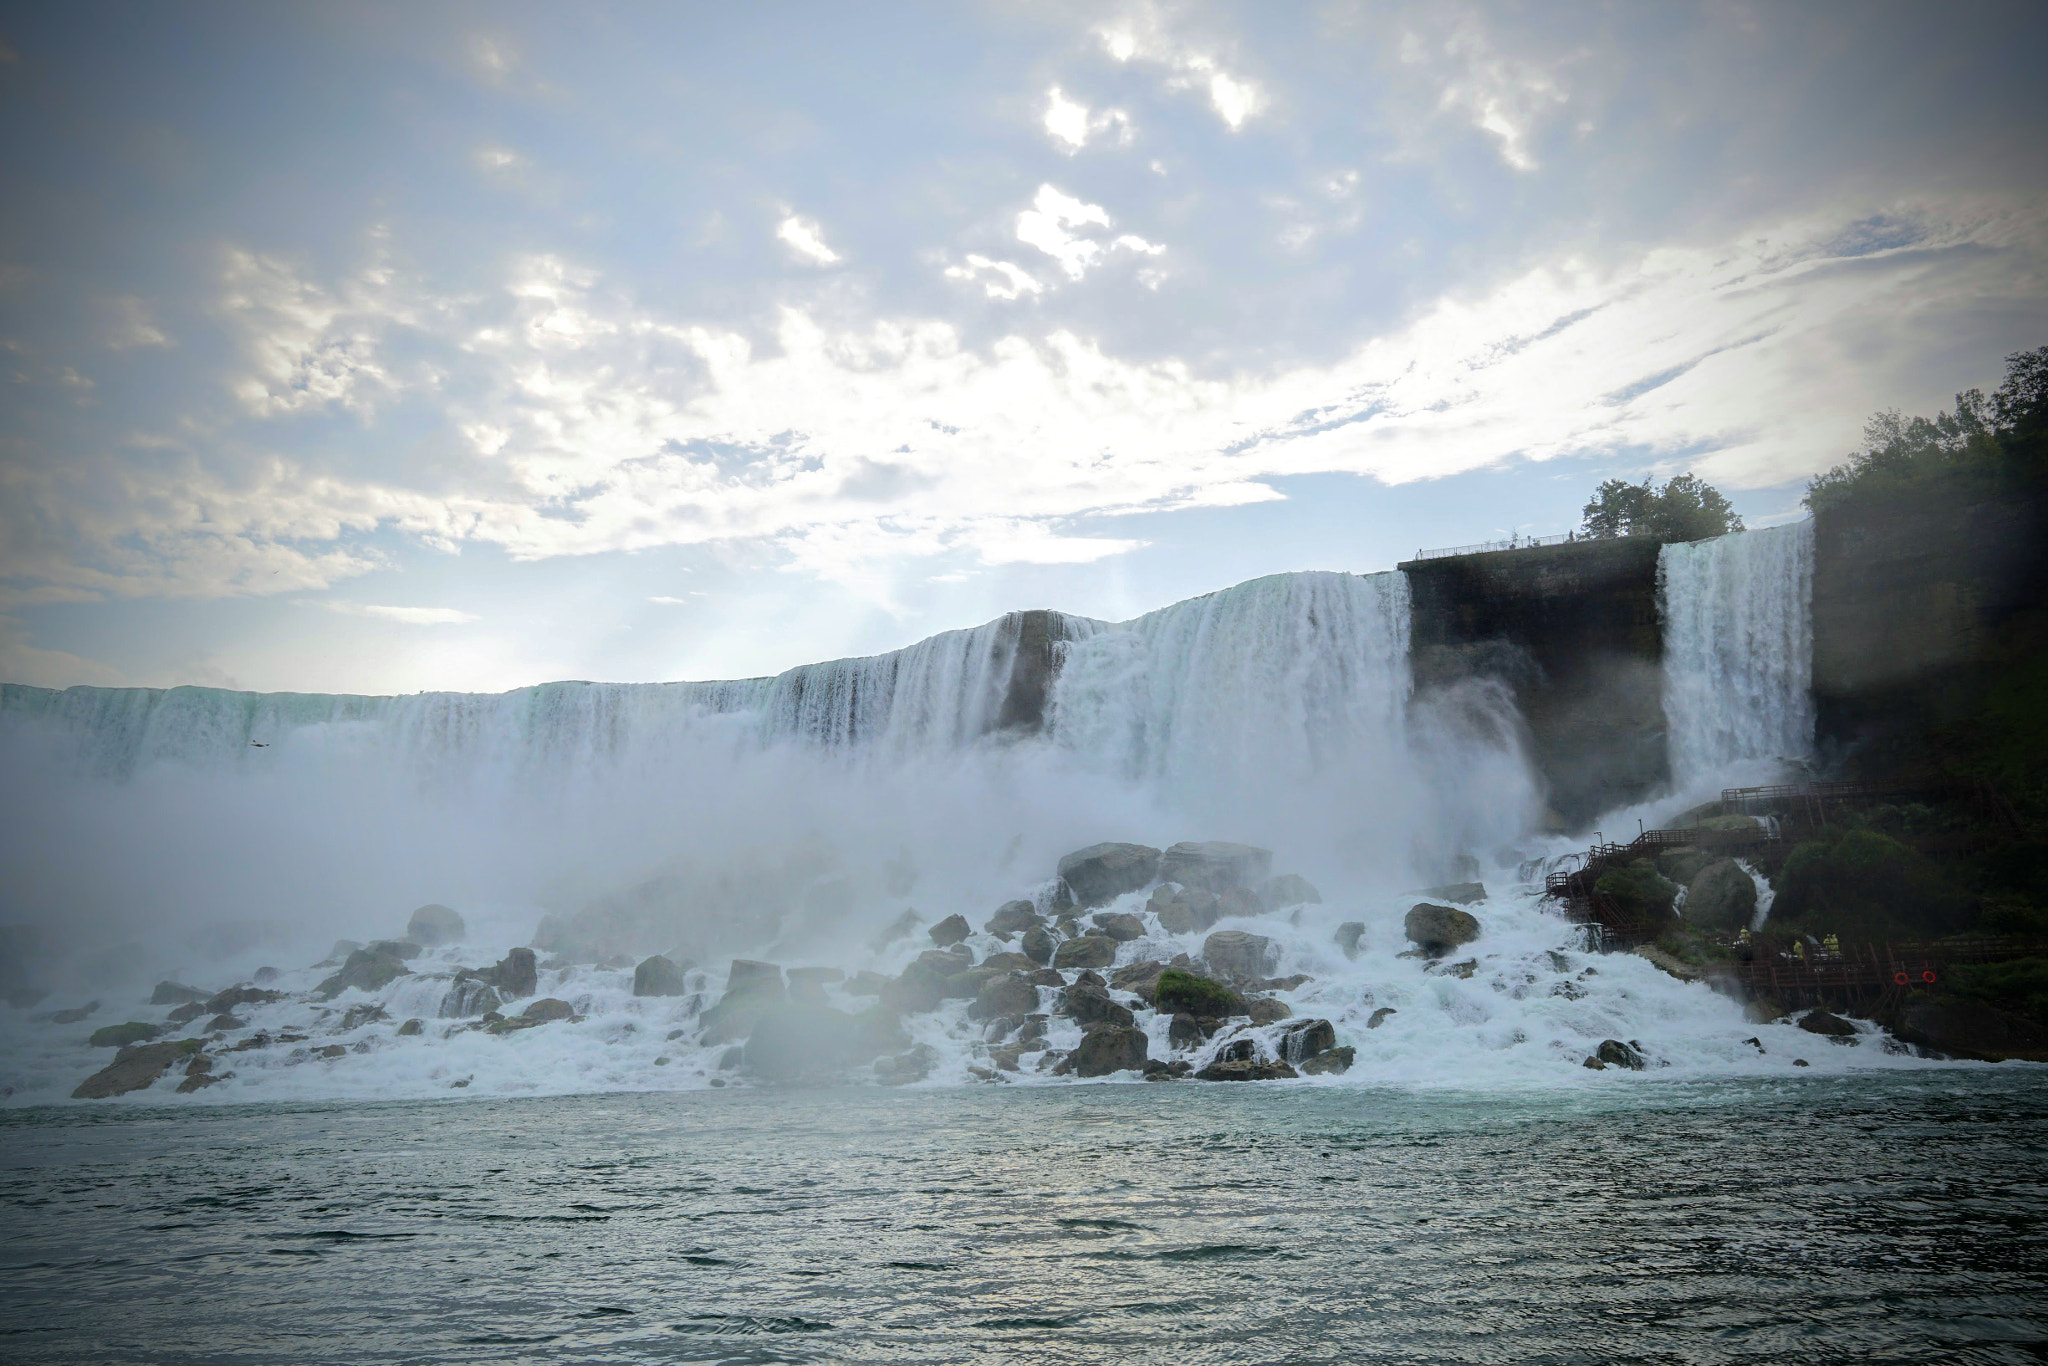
[
  {"x": 408, "y": 616},
  {"x": 131, "y": 325},
  {"x": 1000, "y": 279},
  {"x": 807, "y": 240},
  {"x": 1070, "y": 124},
  {"x": 1504, "y": 98},
  {"x": 1234, "y": 98}
]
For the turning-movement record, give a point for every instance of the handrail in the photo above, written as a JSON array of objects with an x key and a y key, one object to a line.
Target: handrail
[{"x": 1516, "y": 542}]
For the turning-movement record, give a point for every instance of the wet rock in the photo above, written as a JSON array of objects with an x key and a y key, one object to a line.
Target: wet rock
[
  {"x": 1038, "y": 944},
  {"x": 1215, "y": 865},
  {"x": 1109, "y": 1048},
  {"x": 1293, "y": 982},
  {"x": 1351, "y": 937},
  {"x": 1184, "y": 1031},
  {"x": 547, "y": 1010},
  {"x": 1288, "y": 889},
  {"x": 865, "y": 983},
  {"x": 750, "y": 988},
  {"x": 1264, "y": 1010},
  {"x": 331, "y": 1051},
  {"x": 1002, "y": 996},
  {"x": 1012, "y": 918},
  {"x": 402, "y": 949},
  {"x": 1570, "y": 991},
  {"x": 1101, "y": 873},
  {"x": 1093, "y": 951},
  {"x": 122, "y": 1035},
  {"x": 950, "y": 931},
  {"x": 1683, "y": 863},
  {"x": 1009, "y": 962},
  {"x": 657, "y": 976},
  {"x": 265, "y": 975},
  {"x": 1969, "y": 1029},
  {"x": 1306, "y": 1039},
  {"x": 514, "y": 977},
  {"x": 1092, "y": 1006},
  {"x": 1239, "y": 954},
  {"x": 223, "y": 1023},
  {"x": 1439, "y": 929},
  {"x": 965, "y": 986},
  {"x": 1140, "y": 979},
  {"x": 175, "y": 994},
  {"x": 1615, "y": 1053},
  {"x": 412, "y": 1029},
  {"x": 1188, "y": 911},
  {"x": 1721, "y": 897},
  {"x": 1046, "y": 977},
  {"x": 366, "y": 970},
  {"x": 1183, "y": 992},
  {"x": 198, "y": 1075},
  {"x": 186, "y": 1013},
  {"x": 133, "y": 1068},
  {"x": 1462, "y": 971},
  {"x": 1330, "y": 1062},
  {"x": 1380, "y": 1016},
  {"x": 913, "y": 1065},
  {"x": 1457, "y": 893},
  {"x": 467, "y": 998},
  {"x": 355, "y": 1017},
  {"x": 1820, "y": 1022},
  {"x": 1251, "y": 1069},
  {"x": 339, "y": 953},
  {"x": 808, "y": 984},
  {"x": 1121, "y": 926},
  {"x": 74, "y": 1015},
  {"x": 434, "y": 925}
]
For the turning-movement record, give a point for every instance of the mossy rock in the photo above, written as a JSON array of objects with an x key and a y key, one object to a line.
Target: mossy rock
[
  {"x": 1639, "y": 890},
  {"x": 1186, "y": 993}
]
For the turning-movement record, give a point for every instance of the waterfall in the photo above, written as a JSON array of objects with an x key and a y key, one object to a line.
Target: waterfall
[{"x": 1738, "y": 650}]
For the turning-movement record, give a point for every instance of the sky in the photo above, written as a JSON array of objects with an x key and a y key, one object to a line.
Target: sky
[{"x": 379, "y": 348}]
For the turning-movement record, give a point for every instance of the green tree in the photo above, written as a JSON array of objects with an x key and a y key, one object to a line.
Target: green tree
[{"x": 1685, "y": 509}]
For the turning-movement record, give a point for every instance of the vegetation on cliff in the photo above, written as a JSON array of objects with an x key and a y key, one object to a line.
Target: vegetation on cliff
[{"x": 1685, "y": 509}]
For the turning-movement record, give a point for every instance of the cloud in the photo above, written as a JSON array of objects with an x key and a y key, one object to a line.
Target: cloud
[
  {"x": 1070, "y": 124},
  {"x": 306, "y": 347},
  {"x": 1143, "y": 38},
  {"x": 1052, "y": 225},
  {"x": 1000, "y": 279},
  {"x": 807, "y": 240},
  {"x": 409, "y": 616},
  {"x": 1503, "y": 97},
  {"x": 130, "y": 325},
  {"x": 678, "y": 602}
]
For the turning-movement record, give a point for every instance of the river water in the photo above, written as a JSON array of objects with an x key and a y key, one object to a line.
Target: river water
[{"x": 1872, "y": 1217}]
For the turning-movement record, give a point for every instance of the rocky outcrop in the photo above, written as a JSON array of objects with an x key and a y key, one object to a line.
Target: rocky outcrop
[
  {"x": 1089, "y": 951},
  {"x": 514, "y": 977},
  {"x": 750, "y": 988},
  {"x": 657, "y": 976},
  {"x": 467, "y": 998},
  {"x": 1004, "y": 997},
  {"x": 234, "y": 998},
  {"x": 186, "y": 1013},
  {"x": 1012, "y": 918},
  {"x": 134, "y": 1068},
  {"x": 1189, "y": 910},
  {"x": 1121, "y": 926},
  {"x": 1246, "y": 1069},
  {"x": 1215, "y": 865},
  {"x": 1330, "y": 1062},
  {"x": 434, "y": 925},
  {"x": 1101, "y": 873},
  {"x": 1615, "y": 1053},
  {"x": 1307, "y": 1038},
  {"x": 1038, "y": 944},
  {"x": 1106, "y": 1049},
  {"x": 1832, "y": 1026},
  {"x": 950, "y": 931},
  {"x": 175, "y": 994},
  {"x": 366, "y": 970},
  {"x": 1350, "y": 937},
  {"x": 1181, "y": 992},
  {"x": 1682, "y": 864},
  {"x": 122, "y": 1035},
  {"x": 1970, "y": 1029},
  {"x": 1720, "y": 897},
  {"x": 547, "y": 1010},
  {"x": 1238, "y": 954},
  {"x": 1439, "y": 929},
  {"x": 1091, "y": 1006}
]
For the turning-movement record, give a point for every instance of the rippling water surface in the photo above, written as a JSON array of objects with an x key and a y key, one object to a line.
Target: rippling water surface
[{"x": 1890, "y": 1218}]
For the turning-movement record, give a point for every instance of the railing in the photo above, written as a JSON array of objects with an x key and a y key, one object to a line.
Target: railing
[{"x": 1487, "y": 547}]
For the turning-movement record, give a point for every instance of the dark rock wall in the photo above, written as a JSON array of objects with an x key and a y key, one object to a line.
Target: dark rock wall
[
  {"x": 1916, "y": 606},
  {"x": 1573, "y": 631},
  {"x": 1033, "y": 638}
]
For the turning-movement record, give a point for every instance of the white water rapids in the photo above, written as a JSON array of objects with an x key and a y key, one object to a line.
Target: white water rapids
[{"x": 196, "y": 834}]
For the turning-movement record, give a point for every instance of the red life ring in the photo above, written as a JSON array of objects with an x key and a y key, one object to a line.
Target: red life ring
[
  {"x": 1900, "y": 978},
  {"x": 1927, "y": 976}
]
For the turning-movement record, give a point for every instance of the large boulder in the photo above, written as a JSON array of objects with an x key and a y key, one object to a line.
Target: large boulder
[
  {"x": 1185, "y": 993},
  {"x": 1821, "y": 1022},
  {"x": 469, "y": 997},
  {"x": 1003, "y": 998},
  {"x": 750, "y": 988},
  {"x": 1682, "y": 863},
  {"x": 1306, "y": 1039},
  {"x": 236, "y": 997},
  {"x": 1191, "y": 910},
  {"x": 1439, "y": 929},
  {"x": 1239, "y": 954},
  {"x": 1330, "y": 1061},
  {"x": 657, "y": 976},
  {"x": 547, "y": 1010},
  {"x": 1090, "y": 1006},
  {"x": 1089, "y": 951},
  {"x": 122, "y": 1035},
  {"x": 1349, "y": 937},
  {"x": 1288, "y": 889},
  {"x": 1101, "y": 873},
  {"x": 134, "y": 1068},
  {"x": 434, "y": 925},
  {"x": 803, "y": 1042},
  {"x": 1013, "y": 918},
  {"x": 1721, "y": 897},
  {"x": 1121, "y": 926},
  {"x": 515, "y": 976},
  {"x": 1038, "y": 944},
  {"x": 1215, "y": 865},
  {"x": 950, "y": 931},
  {"x": 366, "y": 970},
  {"x": 1109, "y": 1048},
  {"x": 1246, "y": 1069},
  {"x": 175, "y": 994}
]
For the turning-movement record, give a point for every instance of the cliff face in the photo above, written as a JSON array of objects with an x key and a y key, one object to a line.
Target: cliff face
[
  {"x": 1573, "y": 631},
  {"x": 1916, "y": 607}
]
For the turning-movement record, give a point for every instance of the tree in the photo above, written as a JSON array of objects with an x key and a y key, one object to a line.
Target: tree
[{"x": 1685, "y": 509}]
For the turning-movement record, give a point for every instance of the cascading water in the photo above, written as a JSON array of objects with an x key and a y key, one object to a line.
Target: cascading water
[
  {"x": 1738, "y": 652},
  {"x": 197, "y": 833}
]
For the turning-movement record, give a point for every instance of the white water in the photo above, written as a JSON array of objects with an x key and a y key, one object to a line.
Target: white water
[
  {"x": 1738, "y": 653},
  {"x": 195, "y": 834}
]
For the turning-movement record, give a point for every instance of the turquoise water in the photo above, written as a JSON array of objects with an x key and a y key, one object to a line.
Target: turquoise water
[{"x": 1889, "y": 1217}]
